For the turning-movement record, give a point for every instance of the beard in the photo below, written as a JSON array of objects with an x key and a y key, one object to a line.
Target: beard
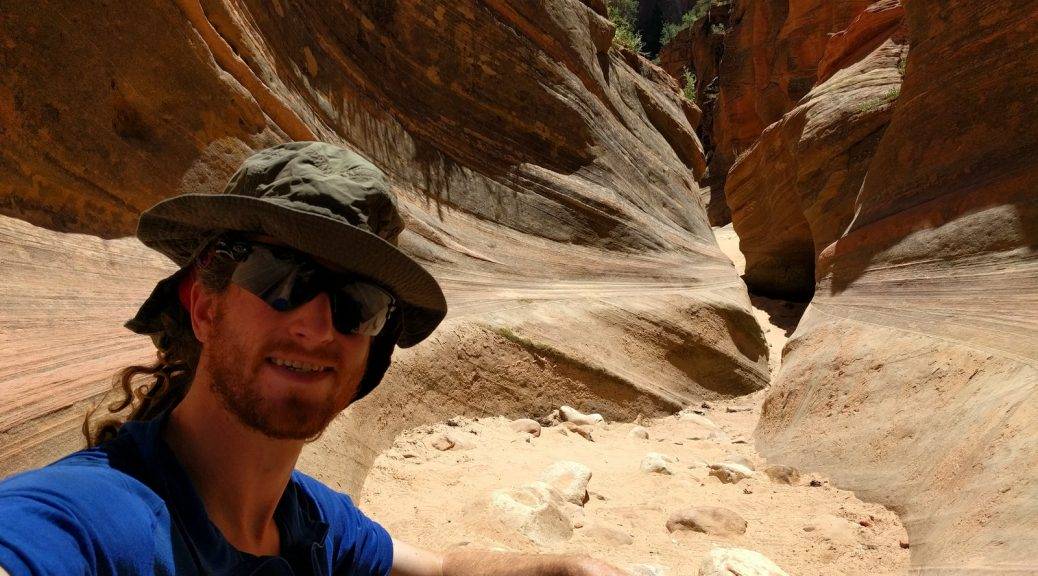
[{"x": 234, "y": 373}]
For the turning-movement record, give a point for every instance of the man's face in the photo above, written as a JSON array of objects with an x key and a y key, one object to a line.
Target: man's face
[{"x": 285, "y": 374}]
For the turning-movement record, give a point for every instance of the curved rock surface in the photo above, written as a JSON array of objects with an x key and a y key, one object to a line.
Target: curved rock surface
[
  {"x": 547, "y": 181},
  {"x": 792, "y": 193},
  {"x": 700, "y": 49},
  {"x": 912, "y": 377},
  {"x": 767, "y": 60}
]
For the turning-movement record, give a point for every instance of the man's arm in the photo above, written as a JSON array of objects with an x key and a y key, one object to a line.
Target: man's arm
[{"x": 410, "y": 560}]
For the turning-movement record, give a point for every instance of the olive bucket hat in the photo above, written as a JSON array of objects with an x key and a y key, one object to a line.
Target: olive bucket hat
[{"x": 315, "y": 197}]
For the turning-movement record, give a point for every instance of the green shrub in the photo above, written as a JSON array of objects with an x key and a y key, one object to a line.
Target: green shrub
[
  {"x": 623, "y": 14},
  {"x": 690, "y": 85},
  {"x": 672, "y": 29},
  {"x": 669, "y": 32}
]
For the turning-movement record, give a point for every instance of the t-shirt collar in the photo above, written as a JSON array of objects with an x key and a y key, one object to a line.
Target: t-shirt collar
[{"x": 296, "y": 515}]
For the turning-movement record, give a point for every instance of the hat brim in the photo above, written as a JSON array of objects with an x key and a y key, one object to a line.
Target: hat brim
[{"x": 180, "y": 227}]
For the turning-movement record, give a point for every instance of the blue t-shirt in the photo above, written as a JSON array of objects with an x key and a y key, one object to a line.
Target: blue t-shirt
[{"x": 128, "y": 507}]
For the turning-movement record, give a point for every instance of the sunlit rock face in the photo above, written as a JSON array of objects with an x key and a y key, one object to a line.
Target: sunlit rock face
[
  {"x": 792, "y": 192},
  {"x": 754, "y": 60},
  {"x": 698, "y": 50},
  {"x": 912, "y": 377},
  {"x": 547, "y": 179}
]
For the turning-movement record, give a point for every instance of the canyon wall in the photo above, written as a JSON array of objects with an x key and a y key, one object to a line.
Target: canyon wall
[
  {"x": 547, "y": 179},
  {"x": 912, "y": 377},
  {"x": 754, "y": 60}
]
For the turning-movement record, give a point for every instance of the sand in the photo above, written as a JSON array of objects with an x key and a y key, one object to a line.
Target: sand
[{"x": 440, "y": 499}]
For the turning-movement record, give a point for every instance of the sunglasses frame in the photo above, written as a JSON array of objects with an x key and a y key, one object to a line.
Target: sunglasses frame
[{"x": 238, "y": 250}]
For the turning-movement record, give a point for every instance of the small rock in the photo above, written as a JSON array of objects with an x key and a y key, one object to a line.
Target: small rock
[
  {"x": 575, "y": 416},
  {"x": 584, "y": 431},
  {"x": 608, "y": 535},
  {"x": 569, "y": 480},
  {"x": 656, "y": 463},
  {"x": 639, "y": 432},
  {"x": 815, "y": 483},
  {"x": 738, "y": 561},
  {"x": 697, "y": 419},
  {"x": 526, "y": 425},
  {"x": 443, "y": 443},
  {"x": 864, "y": 522},
  {"x": 734, "y": 409},
  {"x": 747, "y": 490},
  {"x": 730, "y": 473},
  {"x": 700, "y": 412},
  {"x": 740, "y": 460},
  {"x": 783, "y": 474},
  {"x": 531, "y": 511},
  {"x": 451, "y": 441},
  {"x": 708, "y": 520},
  {"x": 903, "y": 543},
  {"x": 647, "y": 570},
  {"x": 573, "y": 513},
  {"x": 706, "y": 406},
  {"x": 550, "y": 420}
]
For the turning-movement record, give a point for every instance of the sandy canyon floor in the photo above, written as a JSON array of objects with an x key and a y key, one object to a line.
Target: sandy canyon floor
[{"x": 441, "y": 499}]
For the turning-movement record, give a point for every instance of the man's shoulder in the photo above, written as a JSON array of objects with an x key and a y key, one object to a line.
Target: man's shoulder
[{"x": 81, "y": 483}]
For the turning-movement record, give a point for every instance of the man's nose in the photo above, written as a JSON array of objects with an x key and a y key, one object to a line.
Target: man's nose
[{"x": 313, "y": 321}]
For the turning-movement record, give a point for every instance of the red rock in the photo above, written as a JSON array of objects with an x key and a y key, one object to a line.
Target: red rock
[
  {"x": 911, "y": 376},
  {"x": 792, "y": 193}
]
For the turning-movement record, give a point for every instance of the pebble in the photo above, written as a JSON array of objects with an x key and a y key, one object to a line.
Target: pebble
[
  {"x": 730, "y": 473},
  {"x": 531, "y": 511},
  {"x": 740, "y": 460},
  {"x": 783, "y": 474},
  {"x": 713, "y": 520},
  {"x": 656, "y": 463},
  {"x": 584, "y": 431},
  {"x": 697, "y": 419},
  {"x": 569, "y": 480},
  {"x": 450, "y": 441},
  {"x": 734, "y": 409},
  {"x": 738, "y": 561},
  {"x": 526, "y": 425},
  {"x": 639, "y": 432},
  {"x": 569, "y": 414}
]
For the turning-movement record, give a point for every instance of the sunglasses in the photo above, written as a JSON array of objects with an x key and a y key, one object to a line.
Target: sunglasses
[{"x": 286, "y": 279}]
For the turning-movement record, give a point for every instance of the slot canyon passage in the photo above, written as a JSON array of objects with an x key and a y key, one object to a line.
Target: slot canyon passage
[{"x": 793, "y": 263}]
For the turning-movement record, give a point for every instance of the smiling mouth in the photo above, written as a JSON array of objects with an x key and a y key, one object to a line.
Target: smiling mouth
[{"x": 296, "y": 366}]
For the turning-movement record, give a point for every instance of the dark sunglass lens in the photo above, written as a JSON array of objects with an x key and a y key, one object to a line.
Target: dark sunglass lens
[
  {"x": 360, "y": 308},
  {"x": 269, "y": 277}
]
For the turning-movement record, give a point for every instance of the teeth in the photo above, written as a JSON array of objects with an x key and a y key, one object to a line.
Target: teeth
[{"x": 299, "y": 366}]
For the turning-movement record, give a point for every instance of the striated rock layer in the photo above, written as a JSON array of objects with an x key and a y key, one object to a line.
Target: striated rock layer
[
  {"x": 792, "y": 193},
  {"x": 700, "y": 49},
  {"x": 754, "y": 60},
  {"x": 912, "y": 377},
  {"x": 547, "y": 181}
]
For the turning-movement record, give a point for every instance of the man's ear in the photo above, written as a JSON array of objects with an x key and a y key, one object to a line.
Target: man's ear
[{"x": 202, "y": 310}]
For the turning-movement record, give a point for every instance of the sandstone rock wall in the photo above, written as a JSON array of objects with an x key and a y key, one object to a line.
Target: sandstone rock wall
[
  {"x": 769, "y": 60},
  {"x": 792, "y": 193},
  {"x": 547, "y": 181},
  {"x": 912, "y": 377},
  {"x": 700, "y": 49}
]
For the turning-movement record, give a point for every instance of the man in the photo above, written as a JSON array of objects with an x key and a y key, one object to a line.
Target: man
[{"x": 289, "y": 302}]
